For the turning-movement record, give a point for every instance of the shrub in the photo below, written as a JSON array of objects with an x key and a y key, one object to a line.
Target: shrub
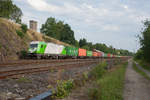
[
  {"x": 85, "y": 75},
  {"x": 63, "y": 88},
  {"x": 23, "y": 54},
  {"x": 99, "y": 70},
  {"x": 93, "y": 93},
  {"x": 20, "y": 33},
  {"x": 24, "y": 28}
]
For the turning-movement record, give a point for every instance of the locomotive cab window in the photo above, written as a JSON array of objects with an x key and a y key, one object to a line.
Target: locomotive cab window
[{"x": 33, "y": 45}]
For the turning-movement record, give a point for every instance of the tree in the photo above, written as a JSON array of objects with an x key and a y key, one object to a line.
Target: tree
[
  {"x": 49, "y": 27},
  {"x": 16, "y": 14},
  {"x": 5, "y": 8},
  {"x": 10, "y": 11},
  {"x": 58, "y": 30},
  {"x": 139, "y": 54},
  {"x": 145, "y": 41},
  {"x": 67, "y": 35},
  {"x": 82, "y": 42}
]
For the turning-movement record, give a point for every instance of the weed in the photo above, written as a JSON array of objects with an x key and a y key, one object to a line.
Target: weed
[
  {"x": 49, "y": 86},
  {"x": 63, "y": 88},
  {"x": 24, "y": 79},
  {"x": 140, "y": 71},
  {"x": 99, "y": 70},
  {"x": 85, "y": 75},
  {"x": 93, "y": 93},
  {"x": 63, "y": 70},
  {"x": 52, "y": 70},
  {"x": 144, "y": 64}
]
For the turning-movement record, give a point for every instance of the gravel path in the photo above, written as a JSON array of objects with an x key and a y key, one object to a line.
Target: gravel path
[{"x": 136, "y": 86}]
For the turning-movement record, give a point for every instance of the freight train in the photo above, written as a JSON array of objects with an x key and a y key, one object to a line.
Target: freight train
[{"x": 41, "y": 50}]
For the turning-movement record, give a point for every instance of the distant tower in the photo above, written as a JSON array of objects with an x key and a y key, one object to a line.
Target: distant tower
[{"x": 33, "y": 25}]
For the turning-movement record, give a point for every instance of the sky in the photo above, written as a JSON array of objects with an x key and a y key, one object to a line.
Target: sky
[{"x": 113, "y": 22}]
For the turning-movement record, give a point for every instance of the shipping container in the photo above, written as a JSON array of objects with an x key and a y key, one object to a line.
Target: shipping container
[
  {"x": 109, "y": 55},
  {"x": 100, "y": 54},
  {"x": 81, "y": 52},
  {"x": 95, "y": 54},
  {"x": 105, "y": 54},
  {"x": 71, "y": 51},
  {"x": 89, "y": 53}
]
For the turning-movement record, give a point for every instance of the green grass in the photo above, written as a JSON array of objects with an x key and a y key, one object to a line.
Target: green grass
[
  {"x": 140, "y": 71},
  {"x": 24, "y": 80},
  {"x": 144, "y": 64},
  {"x": 110, "y": 85}
]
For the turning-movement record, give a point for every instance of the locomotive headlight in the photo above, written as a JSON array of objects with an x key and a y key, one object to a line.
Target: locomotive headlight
[{"x": 32, "y": 50}]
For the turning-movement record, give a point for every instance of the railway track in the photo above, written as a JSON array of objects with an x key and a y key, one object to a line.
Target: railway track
[
  {"x": 28, "y": 62},
  {"x": 9, "y": 72}
]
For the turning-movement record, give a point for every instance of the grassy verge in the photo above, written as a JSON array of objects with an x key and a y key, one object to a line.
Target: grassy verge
[
  {"x": 110, "y": 85},
  {"x": 144, "y": 64},
  {"x": 140, "y": 71}
]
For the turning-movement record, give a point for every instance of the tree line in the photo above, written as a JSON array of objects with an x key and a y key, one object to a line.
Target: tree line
[{"x": 63, "y": 32}]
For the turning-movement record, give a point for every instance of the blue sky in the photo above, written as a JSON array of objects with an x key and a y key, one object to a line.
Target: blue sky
[{"x": 113, "y": 22}]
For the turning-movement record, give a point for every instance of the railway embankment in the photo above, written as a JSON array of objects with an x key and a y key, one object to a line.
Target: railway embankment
[{"x": 28, "y": 85}]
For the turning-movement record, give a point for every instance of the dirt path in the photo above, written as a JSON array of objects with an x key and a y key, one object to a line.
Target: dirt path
[{"x": 136, "y": 86}]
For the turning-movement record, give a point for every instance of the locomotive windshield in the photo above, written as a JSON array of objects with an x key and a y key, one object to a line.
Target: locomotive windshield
[{"x": 33, "y": 45}]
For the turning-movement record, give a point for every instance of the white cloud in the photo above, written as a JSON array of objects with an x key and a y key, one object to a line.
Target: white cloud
[
  {"x": 110, "y": 28},
  {"x": 41, "y": 5},
  {"x": 125, "y": 7}
]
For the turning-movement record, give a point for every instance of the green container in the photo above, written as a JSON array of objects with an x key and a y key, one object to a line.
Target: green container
[
  {"x": 70, "y": 51},
  {"x": 89, "y": 53},
  {"x": 105, "y": 54}
]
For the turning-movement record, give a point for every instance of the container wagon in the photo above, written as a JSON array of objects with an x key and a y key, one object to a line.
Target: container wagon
[
  {"x": 109, "y": 55},
  {"x": 95, "y": 55},
  {"x": 89, "y": 54},
  {"x": 81, "y": 53},
  {"x": 71, "y": 52}
]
